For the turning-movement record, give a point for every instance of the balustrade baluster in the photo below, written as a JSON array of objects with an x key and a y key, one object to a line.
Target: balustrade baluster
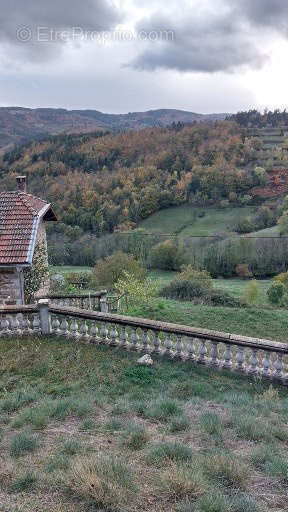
[
  {"x": 94, "y": 333},
  {"x": 103, "y": 334},
  {"x": 178, "y": 347},
  {"x": 266, "y": 364},
  {"x": 214, "y": 353},
  {"x": 36, "y": 324},
  {"x": 227, "y": 356},
  {"x": 134, "y": 339},
  {"x": 55, "y": 326},
  {"x": 26, "y": 326},
  {"x": 240, "y": 359},
  {"x": 156, "y": 343},
  {"x": 5, "y": 326},
  {"x": 202, "y": 352},
  {"x": 15, "y": 326},
  {"x": 145, "y": 341},
  {"x": 113, "y": 336},
  {"x": 64, "y": 327},
  {"x": 253, "y": 362},
  {"x": 168, "y": 345},
  {"x": 84, "y": 336},
  {"x": 278, "y": 365},
  {"x": 74, "y": 329},
  {"x": 191, "y": 349},
  {"x": 123, "y": 337}
]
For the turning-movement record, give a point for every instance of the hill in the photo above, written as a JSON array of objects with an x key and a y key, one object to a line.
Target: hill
[
  {"x": 18, "y": 124},
  {"x": 101, "y": 183}
]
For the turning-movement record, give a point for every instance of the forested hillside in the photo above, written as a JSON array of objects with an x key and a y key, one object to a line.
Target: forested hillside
[
  {"x": 19, "y": 125},
  {"x": 101, "y": 183}
]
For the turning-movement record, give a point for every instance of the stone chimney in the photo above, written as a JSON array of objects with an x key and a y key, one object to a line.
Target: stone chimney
[{"x": 21, "y": 182}]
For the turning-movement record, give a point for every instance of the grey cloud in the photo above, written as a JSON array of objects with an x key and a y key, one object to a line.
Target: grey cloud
[
  {"x": 211, "y": 42},
  {"x": 56, "y": 15}
]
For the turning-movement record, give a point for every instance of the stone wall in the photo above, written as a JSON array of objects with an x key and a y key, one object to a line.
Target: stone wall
[{"x": 11, "y": 287}]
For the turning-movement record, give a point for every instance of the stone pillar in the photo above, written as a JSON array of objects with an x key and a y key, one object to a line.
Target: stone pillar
[{"x": 45, "y": 320}]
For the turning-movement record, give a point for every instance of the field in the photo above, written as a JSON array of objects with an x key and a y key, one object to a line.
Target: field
[
  {"x": 189, "y": 221},
  {"x": 83, "y": 428}
]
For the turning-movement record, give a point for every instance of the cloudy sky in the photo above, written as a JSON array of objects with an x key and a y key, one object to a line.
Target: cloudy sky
[{"x": 132, "y": 55}]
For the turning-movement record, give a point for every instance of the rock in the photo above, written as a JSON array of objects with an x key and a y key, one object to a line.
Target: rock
[{"x": 145, "y": 360}]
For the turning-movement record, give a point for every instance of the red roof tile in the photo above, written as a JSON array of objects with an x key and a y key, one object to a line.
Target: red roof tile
[{"x": 19, "y": 217}]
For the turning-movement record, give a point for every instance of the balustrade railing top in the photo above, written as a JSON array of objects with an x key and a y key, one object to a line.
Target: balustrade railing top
[{"x": 249, "y": 355}]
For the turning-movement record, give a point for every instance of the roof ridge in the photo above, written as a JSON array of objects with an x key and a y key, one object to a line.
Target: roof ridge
[{"x": 20, "y": 195}]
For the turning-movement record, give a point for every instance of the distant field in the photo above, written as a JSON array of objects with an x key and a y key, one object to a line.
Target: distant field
[
  {"x": 274, "y": 231},
  {"x": 190, "y": 221}
]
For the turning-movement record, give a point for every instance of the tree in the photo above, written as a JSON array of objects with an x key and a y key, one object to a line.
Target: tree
[
  {"x": 167, "y": 256},
  {"x": 276, "y": 293},
  {"x": 283, "y": 223},
  {"x": 108, "y": 271}
]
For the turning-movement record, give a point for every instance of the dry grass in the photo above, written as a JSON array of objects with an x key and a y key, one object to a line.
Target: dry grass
[
  {"x": 84, "y": 428},
  {"x": 107, "y": 482}
]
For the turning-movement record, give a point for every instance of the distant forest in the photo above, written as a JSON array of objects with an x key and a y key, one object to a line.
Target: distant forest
[{"x": 275, "y": 118}]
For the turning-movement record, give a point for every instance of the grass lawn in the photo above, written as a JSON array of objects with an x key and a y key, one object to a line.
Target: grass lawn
[
  {"x": 188, "y": 220},
  {"x": 83, "y": 428},
  {"x": 67, "y": 269}
]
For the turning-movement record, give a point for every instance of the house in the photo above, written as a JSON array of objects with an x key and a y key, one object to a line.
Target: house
[{"x": 23, "y": 243}]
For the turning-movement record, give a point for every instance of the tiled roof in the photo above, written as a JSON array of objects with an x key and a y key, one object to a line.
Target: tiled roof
[{"x": 19, "y": 219}]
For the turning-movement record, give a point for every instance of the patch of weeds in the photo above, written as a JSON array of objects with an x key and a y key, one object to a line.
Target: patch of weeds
[
  {"x": 140, "y": 375},
  {"x": 227, "y": 470},
  {"x": 87, "y": 424},
  {"x": 57, "y": 462},
  {"x": 135, "y": 437},
  {"x": 18, "y": 399},
  {"x": 236, "y": 399},
  {"x": 211, "y": 423},
  {"x": 61, "y": 390},
  {"x": 121, "y": 407},
  {"x": 251, "y": 428},
  {"x": 22, "y": 443},
  {"x": 211, "y": 503},
  {"x": 268, "y": 459},
  {"x": 163, "y": 409},
  {"x": 162, "y": 453},
  {"x": 179, "y": 424},
  {"x": 24, "y": 483},
  {"x": 35, "y": 416},
  {"x": 181, "y": 483},
  {"x": 70, "y": 447},
  {"x": 113, "y": 425},
  {"x": 106, "y": 482},
  {"x": 68, "y": 406},
  {"x": 187, "y": 390},
  {"x": 245, "y": 504}
]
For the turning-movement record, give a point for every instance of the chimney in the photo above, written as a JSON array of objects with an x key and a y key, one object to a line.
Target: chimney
[{"x": 21, "y": 182}]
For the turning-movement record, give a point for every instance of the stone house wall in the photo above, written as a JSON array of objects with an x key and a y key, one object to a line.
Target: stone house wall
[{"x": 11, "y": 286}]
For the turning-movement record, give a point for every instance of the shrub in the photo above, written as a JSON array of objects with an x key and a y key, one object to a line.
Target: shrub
[
  {"x": 249, "y": 427},
  {"x": 252, "y": 293},
  {"x": 135, "y": 437},
  {"x": 283, "y": 223},
  {"x": 183, "y": 289},
  {"x": 57, "y": 462},
  {"x": 224, "y": 203},
  {"x": 282, "y": 278},
  {"x": 167, "y": 256},
  {"x": 79, "y": 279},
  {"x": 108, "y": 271},
  {"x": 107, "y": 482},
  {"x": 245, "y": 504},
  {"x": 190, "y": 273},
  {"x": 22, "y": 443},
  {"x": 162, "y": 453},
  {"x": 227, "y": 470},
  {"x": 276, "y": 293},
  {"x": 137, "y": 291},
  {"x": 70, "y": 447},
  {"x": 242, "y": 270},
  {"x": 18, "y": 399},
  {"x": 218, "y": 297}
]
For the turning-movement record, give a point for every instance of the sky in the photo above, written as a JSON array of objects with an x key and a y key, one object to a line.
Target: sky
[{"x": 121, "y": 56}]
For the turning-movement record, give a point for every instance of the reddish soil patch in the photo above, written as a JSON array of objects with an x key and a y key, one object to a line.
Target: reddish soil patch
[{"x": 278, "y": 185}]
